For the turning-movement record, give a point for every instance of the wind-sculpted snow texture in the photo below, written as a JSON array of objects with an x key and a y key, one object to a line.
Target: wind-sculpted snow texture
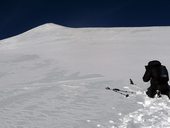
[
  {"x": 54, "y": 76},
  {"x": 154, "y": 113}
]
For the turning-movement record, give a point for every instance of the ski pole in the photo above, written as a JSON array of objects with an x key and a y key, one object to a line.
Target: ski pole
[
  {"x": 126, "y": 95},
  {"x": 116, "y": 89},
  {"x": 134, "y": 85}
]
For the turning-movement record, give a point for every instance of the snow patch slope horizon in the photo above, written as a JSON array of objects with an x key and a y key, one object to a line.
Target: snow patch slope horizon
[
  {"x": 114, "y": 53},
  {"x": 49, "y": 27},
  {"x": 55, "y": 76}
]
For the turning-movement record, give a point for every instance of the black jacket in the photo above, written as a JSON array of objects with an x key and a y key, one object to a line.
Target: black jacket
[{"x": 152, "y": 74}]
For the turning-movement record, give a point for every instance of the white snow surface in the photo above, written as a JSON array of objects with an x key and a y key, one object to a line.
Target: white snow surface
[{"x": 53, "y": 76}]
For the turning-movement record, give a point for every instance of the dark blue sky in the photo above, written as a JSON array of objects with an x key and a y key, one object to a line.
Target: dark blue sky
[{"x": 20, "y": 16}]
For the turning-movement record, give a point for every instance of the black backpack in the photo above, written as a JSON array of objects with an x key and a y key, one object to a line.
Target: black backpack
[{"x": 164, "y": 77}]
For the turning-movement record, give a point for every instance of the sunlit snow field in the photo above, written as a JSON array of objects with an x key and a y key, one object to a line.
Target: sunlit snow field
[{"x": 55, "y": 77}]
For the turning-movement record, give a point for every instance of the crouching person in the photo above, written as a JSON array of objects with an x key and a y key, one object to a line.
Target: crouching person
[{"x": 158, "y": 76}]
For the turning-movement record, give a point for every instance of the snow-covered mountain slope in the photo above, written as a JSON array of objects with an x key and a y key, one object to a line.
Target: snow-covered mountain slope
[{"x": 54, "y": 76}]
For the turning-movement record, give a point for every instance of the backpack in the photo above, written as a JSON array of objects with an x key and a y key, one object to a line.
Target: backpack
[{"x": 164, "y": 77}]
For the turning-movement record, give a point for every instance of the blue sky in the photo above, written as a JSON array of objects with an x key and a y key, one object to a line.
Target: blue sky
[{"x": 18, "y": 16}]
